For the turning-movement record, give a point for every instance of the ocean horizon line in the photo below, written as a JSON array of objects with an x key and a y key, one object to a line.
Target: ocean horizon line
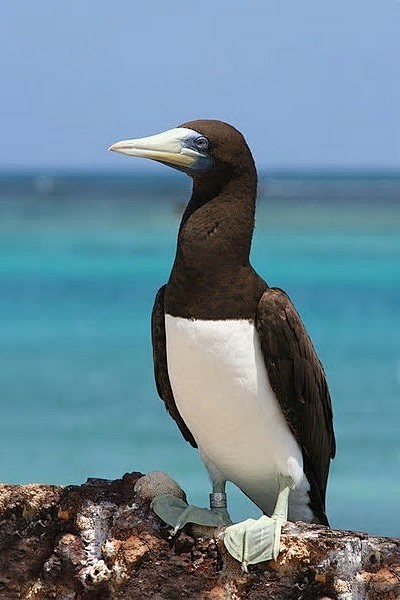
[{"x": 284, "y": 172}]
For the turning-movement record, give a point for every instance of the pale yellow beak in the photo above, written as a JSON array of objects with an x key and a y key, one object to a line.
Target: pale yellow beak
[{"x": 170, "y": 147}]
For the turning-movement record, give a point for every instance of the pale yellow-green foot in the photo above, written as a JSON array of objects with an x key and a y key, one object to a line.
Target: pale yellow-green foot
[
  {"x": 176, "y": 513},
  {"x": 253, "y": 541}
]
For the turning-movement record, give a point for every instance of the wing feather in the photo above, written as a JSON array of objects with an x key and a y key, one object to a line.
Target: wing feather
[
  {"x": 298, "y": 379},
  {"x": 161, "y": 367}
]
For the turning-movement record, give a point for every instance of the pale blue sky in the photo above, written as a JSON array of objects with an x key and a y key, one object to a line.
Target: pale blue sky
[{"x": 309, "y": 82}]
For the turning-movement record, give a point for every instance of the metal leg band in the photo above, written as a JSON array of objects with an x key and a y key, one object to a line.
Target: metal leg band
[{"x": 218, "y": 500}]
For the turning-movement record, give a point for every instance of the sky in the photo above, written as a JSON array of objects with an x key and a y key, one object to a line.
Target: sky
[{"x": 310, "y": 83}]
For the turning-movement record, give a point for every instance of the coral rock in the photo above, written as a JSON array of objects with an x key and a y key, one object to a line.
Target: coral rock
[{"x": 101, "y": 541}]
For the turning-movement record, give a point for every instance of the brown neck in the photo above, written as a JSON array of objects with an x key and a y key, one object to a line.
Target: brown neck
[{"x": 212, "y": 273}]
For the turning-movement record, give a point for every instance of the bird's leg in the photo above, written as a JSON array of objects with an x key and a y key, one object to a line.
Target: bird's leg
[
  {"x": 219, "y": 503},
  {"x": 177, "y": 513},
  {"x": 253, "y": 541}
]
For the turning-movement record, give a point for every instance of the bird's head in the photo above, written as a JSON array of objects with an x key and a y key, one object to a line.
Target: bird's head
[{"x": 199, "y": 148}]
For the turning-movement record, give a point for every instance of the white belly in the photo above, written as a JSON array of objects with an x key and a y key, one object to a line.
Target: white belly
[{"x": 223, "y": 394}]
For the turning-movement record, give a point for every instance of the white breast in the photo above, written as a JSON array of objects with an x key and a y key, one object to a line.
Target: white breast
[{"x": 223, "y": 394}]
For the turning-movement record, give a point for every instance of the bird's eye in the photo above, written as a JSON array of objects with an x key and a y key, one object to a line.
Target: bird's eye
[{"x": 201, "y": 143}]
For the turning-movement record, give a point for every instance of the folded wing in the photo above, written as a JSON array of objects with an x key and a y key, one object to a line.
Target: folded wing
[
  {"x": 298, "y": 381},
  {"x": 161, "y": 367}
]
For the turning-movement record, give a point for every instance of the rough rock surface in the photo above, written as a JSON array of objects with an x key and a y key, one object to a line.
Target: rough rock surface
[{"x": 101, "y": 540}]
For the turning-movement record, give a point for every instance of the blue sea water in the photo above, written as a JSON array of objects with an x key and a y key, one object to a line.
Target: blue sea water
[{"x": 81, "y": 258}]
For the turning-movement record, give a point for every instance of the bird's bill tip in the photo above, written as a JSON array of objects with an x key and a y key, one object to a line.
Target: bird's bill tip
[{"x": 124, "y": 147}]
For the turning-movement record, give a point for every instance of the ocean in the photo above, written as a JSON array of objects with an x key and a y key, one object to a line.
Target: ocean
[{"x": 81, "y": 258}]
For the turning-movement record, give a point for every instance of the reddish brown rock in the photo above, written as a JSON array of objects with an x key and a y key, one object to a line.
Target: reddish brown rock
[{"x": 101, "y": 541}]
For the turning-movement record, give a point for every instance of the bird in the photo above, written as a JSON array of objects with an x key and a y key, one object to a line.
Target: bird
[{"x": 233, "y": 361}]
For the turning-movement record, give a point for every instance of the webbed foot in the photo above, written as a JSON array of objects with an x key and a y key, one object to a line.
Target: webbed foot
[
  {"x": 253, "y": 541},
  {"x": 177, "y": 513}
]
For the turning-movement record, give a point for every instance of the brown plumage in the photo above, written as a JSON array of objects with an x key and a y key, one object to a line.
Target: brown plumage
[
  {"x": 160, "y": 365},
  {"x": 298, "y": 380},
  {"x": 212, "y": 279}
]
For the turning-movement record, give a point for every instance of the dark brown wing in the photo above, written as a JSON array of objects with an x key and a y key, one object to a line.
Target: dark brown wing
[
  {"x": 160, "y": 365},
  {"x": 298, "y": 380}
]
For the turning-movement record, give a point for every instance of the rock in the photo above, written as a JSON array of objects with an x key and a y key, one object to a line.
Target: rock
[
  {"x": 101, "y": 541},
  {"x": 156, "y": 483}
]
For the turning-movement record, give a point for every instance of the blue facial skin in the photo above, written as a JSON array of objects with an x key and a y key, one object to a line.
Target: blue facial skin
[
  {"x": 204, "y": 162},
  {"x": 200, "y": 144}
]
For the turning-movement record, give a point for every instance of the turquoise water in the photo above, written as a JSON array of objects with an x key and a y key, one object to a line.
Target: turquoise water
[{"x": 81, "y": 257}]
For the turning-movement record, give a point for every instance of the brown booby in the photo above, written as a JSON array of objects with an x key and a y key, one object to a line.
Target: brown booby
[{"x": 233, "y": 361}]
